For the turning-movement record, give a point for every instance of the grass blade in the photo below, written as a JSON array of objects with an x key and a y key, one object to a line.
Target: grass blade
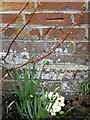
[{"x": 29, "y": 109}]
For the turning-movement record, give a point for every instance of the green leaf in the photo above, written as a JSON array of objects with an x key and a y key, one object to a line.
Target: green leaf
[
  {"x": 45, "y": 63},
  {"x": 69, "y": 110},
  {"x": 61, "y": 112},
  {"x": 29, "y": 109},
  {"x": 35, "y": 105},
  {"x": 56, "y": 89},
  {"x": 34, "y": 82},
  {"x": 19, "y": 110},
  {"x": 16, "y": 90},
  {"x": 32, "y": 57},
  {"x": 19, "y": 82},
  {"x": 33, "y": 72}
]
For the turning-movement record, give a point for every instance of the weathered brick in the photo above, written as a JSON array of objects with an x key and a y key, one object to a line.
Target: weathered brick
[
  {"x": 85, "y": 18},
  {"x": 83, "y": 47},
  {"x": 89, "y": 5},
  {"x": 32, "y": 34},
  {"x": 81, "y": 59},
  {"x": 65, "y": 48},
  {"x": 73, "y": 58},
  {"x": 50, "y": 19},
  {"x": 17, "y": 46},
  {"x": 35, "y": 47},
  {"x": 32, "y": 47},
  {"x": 7, "y": 85},
  {"x": 25, "y": 34},
  {"x": 10, "y": 32},
  {"x": 0, "y": 5},
  {"x": 7, "y": 18},
  {"x": 50, "y": 33},
  {"x": 16, "y": 6},
  {"x": 61, "y": 5},
  {"x": 89, "y": 34}
]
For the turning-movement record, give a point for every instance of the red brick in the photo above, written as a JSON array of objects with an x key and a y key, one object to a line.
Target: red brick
[
  {"x": 48, "y": 33},
  {"x": 61, "y": 5},
  {"x": 50, "y": 19},
  {"x": 34, "y": 33},
  {"x": 7, "y": 18},
  {"x": 16, "y": 6},
  {"x": 85, "y": 18},
  {"x": 30, "y": 6},
  {"x": 78, "y": 34},
  {"x": 82, "y": 47},
  {"x": 51, "y": 33}
]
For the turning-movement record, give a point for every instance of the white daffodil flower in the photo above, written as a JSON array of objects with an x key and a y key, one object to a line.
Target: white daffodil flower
[
  {"x": 61, "y": 99},
  {"x": 56, "y": 102},
  {"x": 61, "y": 104},
  {"x": 53, "y": 113},
  {"x": 50, "y": 95},
  {"x": 56, "y": 107}
]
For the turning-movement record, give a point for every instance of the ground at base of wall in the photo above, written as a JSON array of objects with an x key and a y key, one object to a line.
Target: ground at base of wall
[{"x": 80, "y": 112}]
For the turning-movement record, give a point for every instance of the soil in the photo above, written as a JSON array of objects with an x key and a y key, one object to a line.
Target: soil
[{"x": 80, "y": 112}]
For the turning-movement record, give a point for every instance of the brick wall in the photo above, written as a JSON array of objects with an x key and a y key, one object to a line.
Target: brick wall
[{"x": 51, "y": 22}]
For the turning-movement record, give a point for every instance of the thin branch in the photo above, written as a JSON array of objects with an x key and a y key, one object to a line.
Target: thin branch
[{"x": 15, "y": 17}]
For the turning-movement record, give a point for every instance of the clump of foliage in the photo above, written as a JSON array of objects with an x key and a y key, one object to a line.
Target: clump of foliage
[
  {"x": 34, "y": 101},
  {"x": 85, "y": 87}
]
